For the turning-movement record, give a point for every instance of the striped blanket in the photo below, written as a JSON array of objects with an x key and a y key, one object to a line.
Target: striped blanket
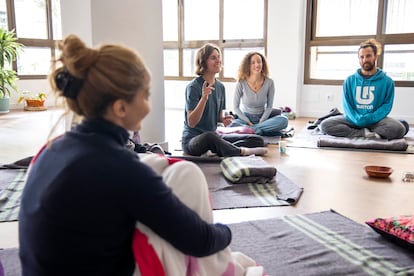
[
  {"x": 11, "y": 187},
  {"x": 324, "y": 243},
  {"x": 280, "y": 191},
  {"x": 250, "y": 169}
]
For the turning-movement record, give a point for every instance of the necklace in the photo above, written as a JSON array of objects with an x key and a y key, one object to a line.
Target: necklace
[{"x": 255, "y": 85}]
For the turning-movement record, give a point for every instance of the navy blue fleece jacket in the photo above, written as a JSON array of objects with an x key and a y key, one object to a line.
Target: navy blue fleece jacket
[{"x": 82, "y": 199}]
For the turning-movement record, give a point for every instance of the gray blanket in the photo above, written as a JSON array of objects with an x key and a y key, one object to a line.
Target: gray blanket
[
  {"x": 11, "y": 187},
  {"x": 226, "y": 195},
  {"x": 363, "y": 143},
  {"x": 314, "y": 138},
  {"x": 324, "y": 243},
  {"x": 247, "y": 169}
]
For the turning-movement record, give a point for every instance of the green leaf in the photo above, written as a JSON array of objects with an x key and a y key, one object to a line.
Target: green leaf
[{"x": 9, "y": 51}]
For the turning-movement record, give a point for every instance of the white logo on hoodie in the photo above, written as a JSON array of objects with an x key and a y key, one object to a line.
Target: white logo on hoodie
[{"x": 364, "y": 96}]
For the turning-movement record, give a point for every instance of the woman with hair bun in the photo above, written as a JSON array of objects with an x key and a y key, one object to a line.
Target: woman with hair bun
[{"x": 86, "y": 191}]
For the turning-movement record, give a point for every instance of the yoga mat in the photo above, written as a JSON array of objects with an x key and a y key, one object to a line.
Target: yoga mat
[
  {"x": 324, "y": 243},
  {"x": 12, "y": 179},
  {"x": 11, "y": 187},
  {"x": 225, "y": 195},
  {"x": 10, "y": 262},
  {"x": 313, "y": 138}
]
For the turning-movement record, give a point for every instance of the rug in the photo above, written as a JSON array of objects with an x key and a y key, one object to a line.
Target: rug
[
  {"x": 11, "y": 187},
  {"x": 314, "y": 138},
  {"x": 10, "y": 262},
  {"x": 324, "y": 243},
  {"x": 225, "y": 195}
]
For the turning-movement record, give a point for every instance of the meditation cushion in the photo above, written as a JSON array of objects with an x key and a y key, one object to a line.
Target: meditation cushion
[{"x": 398, "y": 229}]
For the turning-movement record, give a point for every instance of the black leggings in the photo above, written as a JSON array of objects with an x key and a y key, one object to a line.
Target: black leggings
[{"x": 224, "y": 146}]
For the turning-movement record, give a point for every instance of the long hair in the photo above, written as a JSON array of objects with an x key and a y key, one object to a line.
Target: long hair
[
  {"x": 202, "y": 55},
  {"x": 244, "y": 68}
]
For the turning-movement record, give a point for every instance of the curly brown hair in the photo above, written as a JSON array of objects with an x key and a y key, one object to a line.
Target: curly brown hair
[{"x": 244, "y": 68}]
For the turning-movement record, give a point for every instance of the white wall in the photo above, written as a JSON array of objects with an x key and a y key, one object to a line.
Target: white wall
[
  {"x": 137, "y": 24},
  {"x": 285, "y": 50},
  {"x": 76, "y": 18}
]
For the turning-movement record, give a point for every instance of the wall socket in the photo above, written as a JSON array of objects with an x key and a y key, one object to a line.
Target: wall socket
[{"x": 329, "y": 97}]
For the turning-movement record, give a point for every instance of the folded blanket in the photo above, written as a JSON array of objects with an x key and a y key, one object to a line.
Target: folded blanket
[
  {"x": 247, "y": 169},
  {"x": 363, "y": 143}
]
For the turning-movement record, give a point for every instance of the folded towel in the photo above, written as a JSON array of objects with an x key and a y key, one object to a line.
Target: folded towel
[{"x": 247, "y": 169}]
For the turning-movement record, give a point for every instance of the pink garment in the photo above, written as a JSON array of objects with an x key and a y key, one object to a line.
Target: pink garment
[
  {"x": 238, "y": 130},
  {"x": 155, "y": 256},
  {"x": 136, "y": 138}
]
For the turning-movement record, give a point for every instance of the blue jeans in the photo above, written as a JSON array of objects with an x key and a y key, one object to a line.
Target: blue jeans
[{"x": 273, "y": 126}]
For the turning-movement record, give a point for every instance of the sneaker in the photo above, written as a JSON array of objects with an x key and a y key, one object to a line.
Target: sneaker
[{"x": 288, "y": 132}]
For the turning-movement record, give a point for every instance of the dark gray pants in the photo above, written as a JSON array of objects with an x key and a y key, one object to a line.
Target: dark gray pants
[
  {"x": 224, "y": 146},
  {"x": 387, "y": 128}
]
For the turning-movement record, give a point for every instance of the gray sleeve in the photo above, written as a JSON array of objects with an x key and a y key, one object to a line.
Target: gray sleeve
[
  {"x": 237, "y": 102},
  {"x": 269, "y": 86}
]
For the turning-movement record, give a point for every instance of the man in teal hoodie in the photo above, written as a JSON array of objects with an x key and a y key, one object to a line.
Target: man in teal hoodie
[{"x": 368, "y": 96}]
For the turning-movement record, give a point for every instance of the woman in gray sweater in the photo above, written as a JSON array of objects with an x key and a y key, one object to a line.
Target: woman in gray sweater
[{"x": 253, "y": 98}]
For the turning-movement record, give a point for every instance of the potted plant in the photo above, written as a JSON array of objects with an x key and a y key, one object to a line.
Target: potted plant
[
  {"x": 33, "y": 102},
  {"x": 9, "y": 51}
]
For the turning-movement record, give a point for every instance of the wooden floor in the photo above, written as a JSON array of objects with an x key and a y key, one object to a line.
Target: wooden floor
[{"x": 332, "y": 179}]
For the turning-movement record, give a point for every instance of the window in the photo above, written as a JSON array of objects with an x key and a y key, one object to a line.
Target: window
[
  {"x": 38, "y": 26},
  {"x": 236, "y": 26},
  {"x": 335, "y": 28}
]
